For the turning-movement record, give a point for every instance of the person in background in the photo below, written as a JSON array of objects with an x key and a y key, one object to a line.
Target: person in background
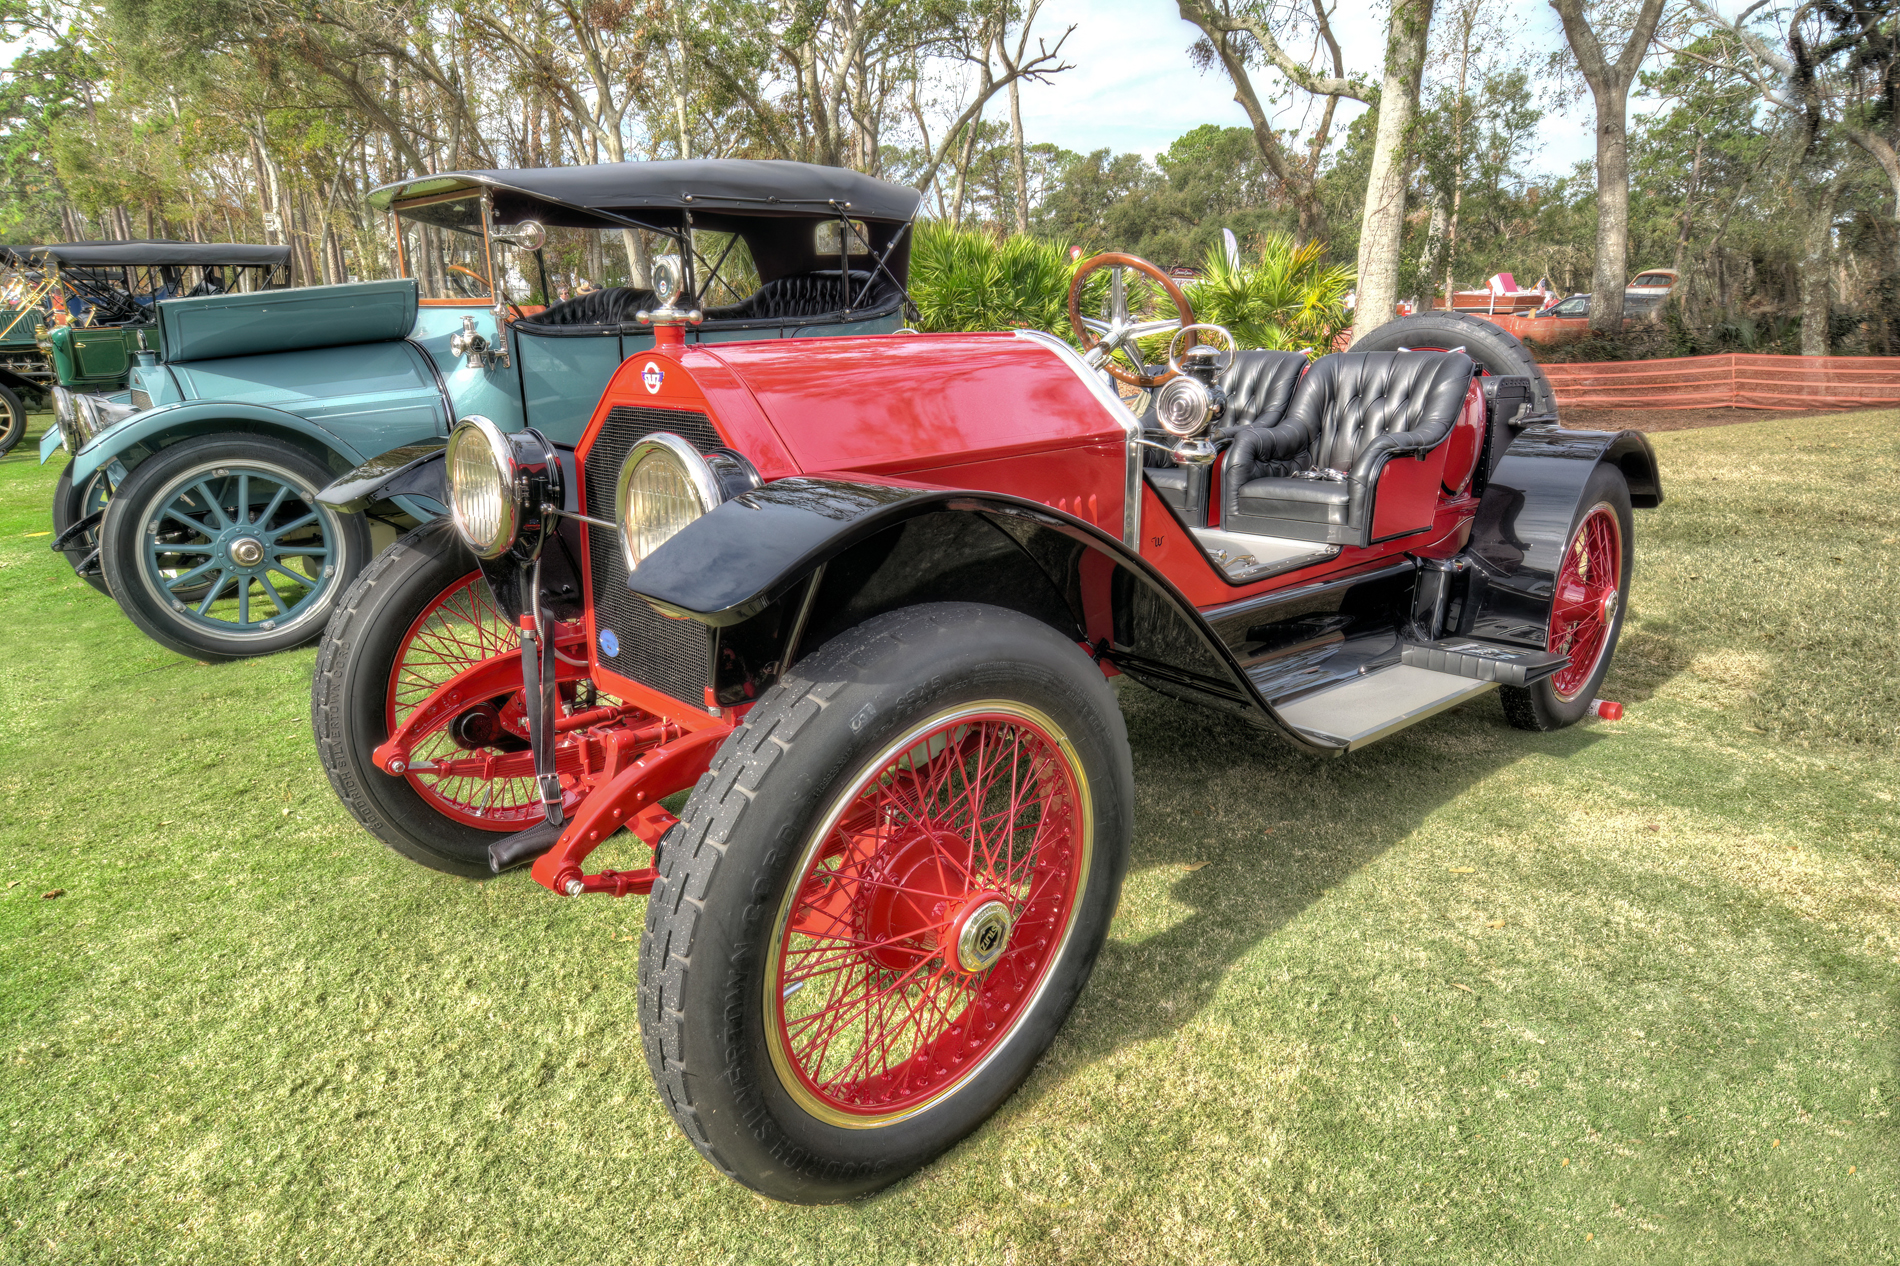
[{"x": 585, "y": 288}]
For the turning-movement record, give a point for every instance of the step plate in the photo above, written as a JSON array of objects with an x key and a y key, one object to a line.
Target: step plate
[
  {"x": 1357, "y": 712},
  {"x": 1484, "y": 661}
]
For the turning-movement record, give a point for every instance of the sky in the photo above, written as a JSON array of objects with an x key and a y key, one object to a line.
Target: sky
[{"x": 1134, "y": 88}]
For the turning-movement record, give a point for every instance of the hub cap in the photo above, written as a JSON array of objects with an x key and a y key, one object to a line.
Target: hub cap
[
  {"x": 984, "y": 935},
  {"x": 925, "y": 913}
]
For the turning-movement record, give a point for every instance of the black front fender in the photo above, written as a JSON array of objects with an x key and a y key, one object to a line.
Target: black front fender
[
  {"x": 412, "y": 470},
  {"x": 809, "y": 556}
]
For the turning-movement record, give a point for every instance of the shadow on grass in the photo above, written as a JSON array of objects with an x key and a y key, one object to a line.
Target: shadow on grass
[{"x": 1274, "y": 829}]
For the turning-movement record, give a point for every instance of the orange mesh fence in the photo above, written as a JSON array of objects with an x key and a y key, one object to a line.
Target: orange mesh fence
[{"x": 1740, "y": 380}]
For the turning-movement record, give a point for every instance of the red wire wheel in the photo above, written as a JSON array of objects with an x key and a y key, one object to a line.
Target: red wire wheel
[
  {"x": 924, "y": 915},
  {"x": 1583, "y": 609},
  {"x": 460, "y": 628}
]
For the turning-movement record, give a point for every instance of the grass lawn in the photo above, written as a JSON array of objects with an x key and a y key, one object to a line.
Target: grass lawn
[{"x": 1472, "y": 995}]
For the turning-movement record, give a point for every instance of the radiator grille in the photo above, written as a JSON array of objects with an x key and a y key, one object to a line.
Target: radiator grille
[
  {"x": 672, "y": 656},
  {"x": 140, "y": 400}
]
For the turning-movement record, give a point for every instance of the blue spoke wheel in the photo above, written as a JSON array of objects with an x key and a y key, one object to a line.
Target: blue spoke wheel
[{"x": 218, "y": 548}]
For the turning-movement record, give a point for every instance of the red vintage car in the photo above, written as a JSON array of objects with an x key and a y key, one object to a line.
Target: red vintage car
[{"x": 857, "y": 601}]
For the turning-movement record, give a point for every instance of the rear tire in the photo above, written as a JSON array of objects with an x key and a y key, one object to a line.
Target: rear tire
[
  {"x": 1491, "y": 346},
  {"x": 771, "y": 882},
  {"x": 1578, "y": 625},
  {"x": 12, "y": 420}
]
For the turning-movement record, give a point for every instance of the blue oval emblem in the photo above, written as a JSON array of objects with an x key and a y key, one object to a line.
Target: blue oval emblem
[{"x": 609, "y": 644}]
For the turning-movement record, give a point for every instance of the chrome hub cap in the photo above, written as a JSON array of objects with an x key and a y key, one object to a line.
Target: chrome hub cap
[
  {"x": 247, "y": 551},
  {"x": 1609, "y": 607},
  {"x": 982, "y": 935}
]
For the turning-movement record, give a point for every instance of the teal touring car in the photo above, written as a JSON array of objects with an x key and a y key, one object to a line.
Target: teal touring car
[{"x": 191, "y": 496}]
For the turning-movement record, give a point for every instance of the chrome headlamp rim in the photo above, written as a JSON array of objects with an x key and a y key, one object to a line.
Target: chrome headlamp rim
[
  {"x": 699, "y": 476},
  {"x": 66, "y": 416},
  {"x": 474, "y": 428},
  {"x": 1184, "y": 406}
]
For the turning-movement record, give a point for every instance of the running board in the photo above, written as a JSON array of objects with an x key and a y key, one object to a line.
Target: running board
[{"x": 1362, "y": 710}]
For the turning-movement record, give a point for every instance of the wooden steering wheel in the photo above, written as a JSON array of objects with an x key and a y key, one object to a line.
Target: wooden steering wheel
[{"x": 1102, "y": 337}]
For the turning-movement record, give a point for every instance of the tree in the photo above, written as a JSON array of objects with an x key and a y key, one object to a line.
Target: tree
[
  {"x": 1382, "y": 223},
  {"x": 1240, "y": 33},
  {"x": 1609, "y": 91}
]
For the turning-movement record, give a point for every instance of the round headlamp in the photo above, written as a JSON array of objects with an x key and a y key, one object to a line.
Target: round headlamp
[
  {"x": 664, "y": 485},
  {"x": 1183, "y": 406},
  {"x": 489, "y": 483},
  {"x": 64, "y": 413}
]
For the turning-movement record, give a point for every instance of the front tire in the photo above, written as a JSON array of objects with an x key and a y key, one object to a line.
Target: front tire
[
  {"x": 1589, "y": 601},
  {"x": 417, "y": 616},
  {"x": 218, "y": 548},
  {"x": 883, "y": 899}
]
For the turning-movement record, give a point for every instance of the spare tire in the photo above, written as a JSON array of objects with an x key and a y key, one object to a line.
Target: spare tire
[{"x": 1494, "y": 348}]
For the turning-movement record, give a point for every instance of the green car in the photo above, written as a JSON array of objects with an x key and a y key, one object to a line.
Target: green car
[
  {"x": 75, "y": 312},
  {"x": 193, "y": 497}
]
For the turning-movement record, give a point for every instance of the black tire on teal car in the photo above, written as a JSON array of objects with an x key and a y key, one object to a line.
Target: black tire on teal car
[
  {"x": 70, "y": 505},
  {"x": 218, "y": 548},
  {"x": 12, "y": 420}
]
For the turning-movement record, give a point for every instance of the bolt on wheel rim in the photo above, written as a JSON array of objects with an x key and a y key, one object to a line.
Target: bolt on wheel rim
[
  {"x": 925, "y": 914},
  {"x": 237, "y": 549},
  {"x": 1584, "y": 606}
]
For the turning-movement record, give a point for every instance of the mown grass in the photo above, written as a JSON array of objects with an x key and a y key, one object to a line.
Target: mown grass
[{"x": 1471, "y": 996}]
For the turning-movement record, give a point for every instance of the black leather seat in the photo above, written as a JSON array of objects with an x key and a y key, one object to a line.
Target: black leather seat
[
  {"x": 612, "y": 306},
  {"x": 1258, "y": 387},
  {"x": 1351, "y": 413},
  {"x": 814, "y": 294}
]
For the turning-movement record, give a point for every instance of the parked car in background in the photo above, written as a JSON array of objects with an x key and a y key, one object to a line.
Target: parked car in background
[
  {"x": 861, "y": 598},
  {"x": 76, "y": 311},
  {"x": 1570, "y": 316},
  {"x": 194, "y": 501}
]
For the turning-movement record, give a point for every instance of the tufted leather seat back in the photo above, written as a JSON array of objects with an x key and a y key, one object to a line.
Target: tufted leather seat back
[
  {"x": 1258, "y": 387},
  {"x": 612, "y": 306},
  {"x": 810, "y": 295},
  {"x": 1347, "y": 401}
]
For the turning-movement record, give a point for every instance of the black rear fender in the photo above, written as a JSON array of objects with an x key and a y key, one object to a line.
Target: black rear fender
[{"x": 1523, "y": 526}]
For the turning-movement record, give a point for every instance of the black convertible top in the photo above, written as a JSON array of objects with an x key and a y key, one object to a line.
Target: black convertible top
[
  {"x": 148, "y": 254},
  {"x": 762, "y": 186}
]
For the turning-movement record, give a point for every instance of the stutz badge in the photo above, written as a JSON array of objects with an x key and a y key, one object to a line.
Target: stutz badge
[{"x": 652, "y": 377}]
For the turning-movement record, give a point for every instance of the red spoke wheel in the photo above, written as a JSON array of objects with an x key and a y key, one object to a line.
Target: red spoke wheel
[
  {"x": 1589, "y": 597},
  {"x": 884, "y": 897},
  {"x": 419, "y": 614},
  {"x": 459, "y": 628},
  {"x": 926, "y": 913}
]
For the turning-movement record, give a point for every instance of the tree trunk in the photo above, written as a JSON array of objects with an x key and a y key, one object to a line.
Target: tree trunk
[
  {"x": 1021, "y": 153},
  {"x": 1382, "y": 226},
  {"x": 1610, "y": 90},
  {"x": 1611, "y": 274},
  {"x": 1817, "y": 264}
]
